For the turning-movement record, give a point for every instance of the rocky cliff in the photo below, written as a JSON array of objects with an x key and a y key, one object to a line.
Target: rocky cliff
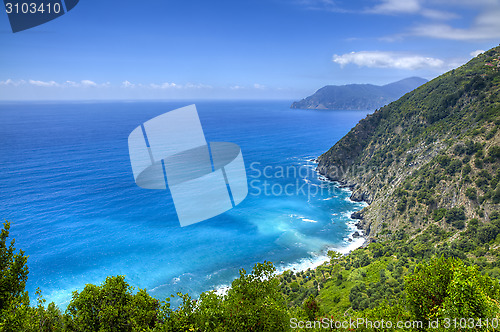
[{"x": 432, "y": 156}]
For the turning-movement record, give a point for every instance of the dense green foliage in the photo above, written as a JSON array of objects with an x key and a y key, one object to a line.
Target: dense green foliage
[
  {"x": 429, "y": 159},
  {"x": 111, "y": 307},
  {"x": 253, "y": 303},
  {"x": 13, "y": 277},
  {"x": 414, "y": 278},
  {"x": 440, "y": 141},
  {"x": 430, "y": 164}
]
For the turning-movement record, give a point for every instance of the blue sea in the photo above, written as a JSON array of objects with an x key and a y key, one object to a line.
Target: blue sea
[{"x": 66, "y": 185}]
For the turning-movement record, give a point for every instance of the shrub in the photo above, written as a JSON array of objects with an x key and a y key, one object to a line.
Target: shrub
[
  {"x": 443, "y": 160},
  {"x": 494, "y": 151},
  {"x": 13, "y": 277},
  {"x": 471, "y": 193},
  {"x": 471, "y": 147},
  {"x": 487, "y": 233},
  {"x": 112, "y": 307},
  {"x": 311, "y": 307},
  {"x": 455, "y": 214},
  {"x": 460, "y": 224},
  {"x": 449, "y": 288},
  {"x": 454, "y": 166},
  {"x": 466, "y": 169},
  {"x": 438, "y": 214}
]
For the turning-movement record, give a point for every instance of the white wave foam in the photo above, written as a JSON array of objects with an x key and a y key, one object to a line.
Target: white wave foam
[
  {"x": 222, "y": 290},
  {"x": 347, "y": 214},
  {"x": 323, "y": 178},
  {"x": 316, "y": 259}
]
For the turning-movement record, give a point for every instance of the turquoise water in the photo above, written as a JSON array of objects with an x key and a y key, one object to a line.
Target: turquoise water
[{"x": 67, "y": 187}]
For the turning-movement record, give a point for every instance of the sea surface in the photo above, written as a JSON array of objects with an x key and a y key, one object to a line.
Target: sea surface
[{"x": 66, "y": 185}]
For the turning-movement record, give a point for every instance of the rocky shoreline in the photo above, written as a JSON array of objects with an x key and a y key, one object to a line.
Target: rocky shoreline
[{"x": 363, "y": 228}]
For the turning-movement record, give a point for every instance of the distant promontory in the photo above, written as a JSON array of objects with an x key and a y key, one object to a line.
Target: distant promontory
[{"x": 358, "y": 96}]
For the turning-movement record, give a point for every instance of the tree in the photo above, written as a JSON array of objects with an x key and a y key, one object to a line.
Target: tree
[
  {"x": 455, "y": 214},
  {"x": 322, "y": 269},
  {"x": 448, "y": 288},
  {"x": 43, "y": 319},
  {"x": 111, "y": 307},
  {"x": 255, "y": 301},
  {"x": 14, "y": 300},
  {"x": 334, "y": 256},
  {"x": 377, "y": 249},
  {"x": 311, "y": 307},
  {"x": 471, "y": 193},
  {"x": 487, "y": 233}
]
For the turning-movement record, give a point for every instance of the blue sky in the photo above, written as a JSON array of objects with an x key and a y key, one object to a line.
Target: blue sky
[{"x": 257, "y": 49}]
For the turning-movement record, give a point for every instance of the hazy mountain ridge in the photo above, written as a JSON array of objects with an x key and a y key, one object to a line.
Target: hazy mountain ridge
[{"x": 358, "y": 96}]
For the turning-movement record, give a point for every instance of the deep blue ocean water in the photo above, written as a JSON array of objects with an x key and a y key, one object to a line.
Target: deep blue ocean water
[{"x": 67, "y": 187}]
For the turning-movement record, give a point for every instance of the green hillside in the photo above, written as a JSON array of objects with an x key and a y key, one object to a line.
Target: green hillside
[
  {"x": 430, "y": 158},
  {"x": 428, "y": 164}
]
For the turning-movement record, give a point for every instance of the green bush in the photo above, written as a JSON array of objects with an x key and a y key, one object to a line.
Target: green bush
[
  {"x": 447, "y": 288},
  {"x": 111, "y": 307},
  {"x": 14, "y": 299},
  {"x": 487, "y": 233},
  {"x": 454, "y": 166},
  {"x": 460, "y": 224},
  {"x": 311, "y": 307},
  {"x": 471, "y": 193},
  {"x": 455, "y": 214},
  {"x": 443, "y": 160},
  {"x": 466, "y": 169},
  {"x": 438, "y": 214},
  {"x": 494, "y": 152}
]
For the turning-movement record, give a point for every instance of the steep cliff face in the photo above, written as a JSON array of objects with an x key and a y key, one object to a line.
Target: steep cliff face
[{"x": 433, "y": 156}]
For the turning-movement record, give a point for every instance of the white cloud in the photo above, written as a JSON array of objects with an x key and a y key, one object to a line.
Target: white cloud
[
  {"x": 168, "y": 85},
  {"x": 467, "y": 3},
  {"x": 486, "y": 26},
  {"x": 328, "y": 5},
  {"x": 443, "y": 31},
  {"x": 127, "y": 84},
  {"x": 255, "y": 86},
  {"x": 71, "y": 84},
  {"x": 476, "y": 53},
  {"x": 43, "y": 83},
  {"x": 438, "y": 14},
  {"x": 165, "y": 85},
  {"x": 12, "y": 82},
  {"x": 377, "y": 59},
  {"x": 396, "y": 6},
  {"x": 39, "y": 83},
  {"x": 92, "y": 84},
  {"x": 196, "y": 86},
  {"x": 88, "y": 83}
]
